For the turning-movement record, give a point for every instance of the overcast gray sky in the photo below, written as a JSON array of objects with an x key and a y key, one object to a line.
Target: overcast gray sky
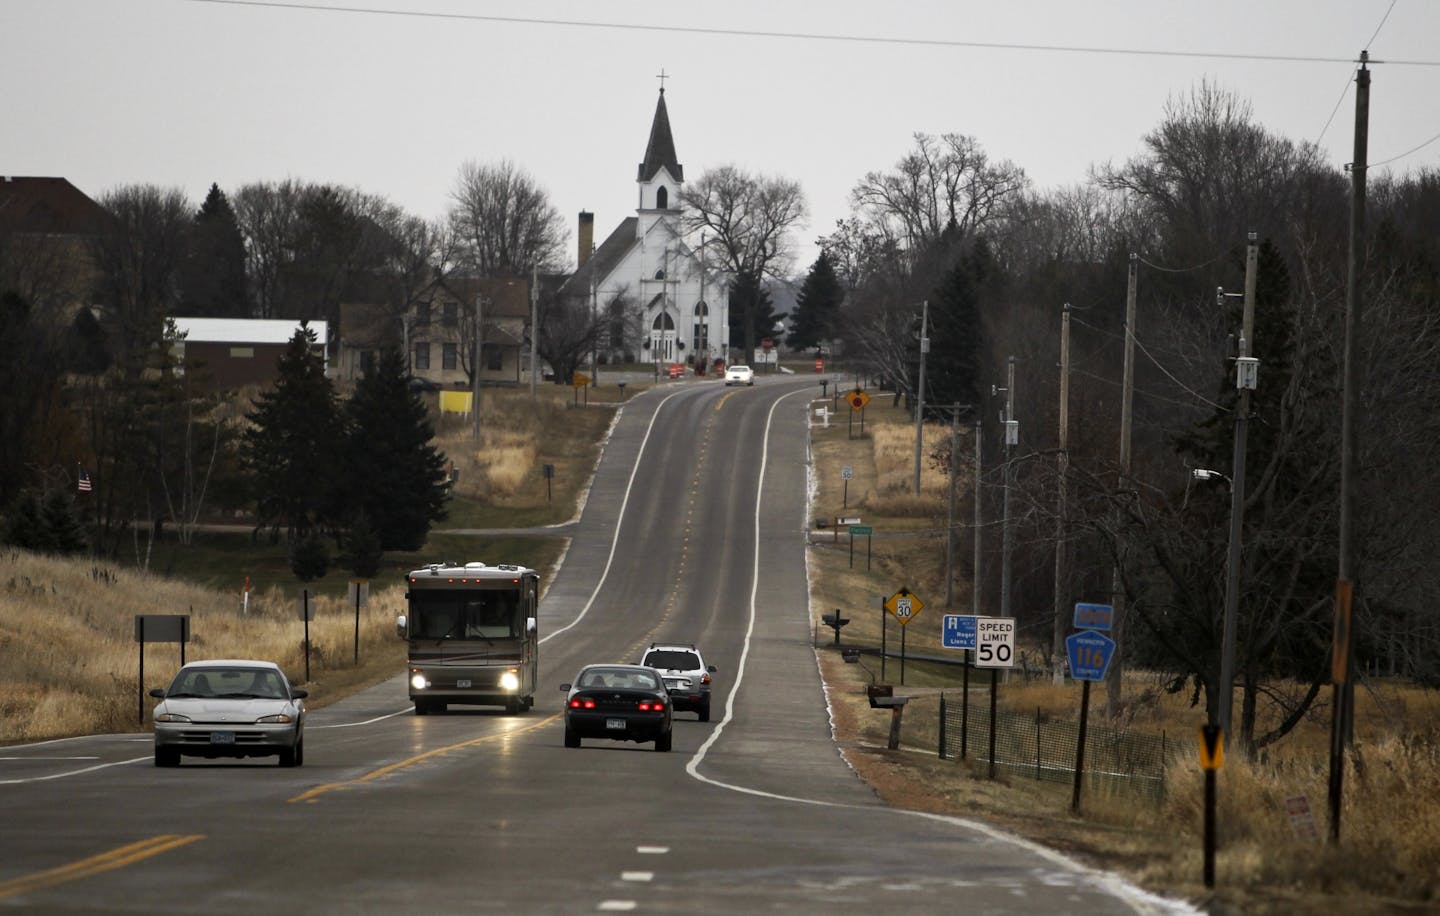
[{"x": 189, "y": 92}]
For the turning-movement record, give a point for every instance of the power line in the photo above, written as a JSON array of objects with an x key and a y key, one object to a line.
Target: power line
[{"x": 808, "y": 36}]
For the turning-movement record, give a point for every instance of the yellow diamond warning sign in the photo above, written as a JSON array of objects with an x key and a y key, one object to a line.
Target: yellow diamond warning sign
[{"x": 904, "y": 605}]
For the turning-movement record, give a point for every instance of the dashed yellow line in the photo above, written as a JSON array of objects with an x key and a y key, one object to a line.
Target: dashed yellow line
[
  {"x": 312, "y": 794},
  {"x": 106, "y": 861}
]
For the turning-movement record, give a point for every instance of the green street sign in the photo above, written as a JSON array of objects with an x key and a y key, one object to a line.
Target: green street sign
[{"x": 862, "y": 529}]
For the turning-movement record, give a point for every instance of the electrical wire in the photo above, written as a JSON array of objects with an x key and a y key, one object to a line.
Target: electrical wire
[
  {"x": 1158, "y": 365},
  {"x": 805, "y": 36}
]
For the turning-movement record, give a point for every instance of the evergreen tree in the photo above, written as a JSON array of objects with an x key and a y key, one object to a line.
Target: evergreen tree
[
  {"x": 752, "y": 314},
  {"x": 309, "y": 558},
  {"x": 24, "y": 524},
  {"x": 390, "y": 450},
  {"x": 360, "y": 548},
  {"x": 212, "y": 278},
  {"x": 64, "y": 532},
  {"x": 957, "y": 339},
  {"x": 291, "y": 452},
  {"x": 817, "y": 307}
]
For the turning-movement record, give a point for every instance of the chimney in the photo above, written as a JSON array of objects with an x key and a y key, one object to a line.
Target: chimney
[{"x": 587, "y": 237}]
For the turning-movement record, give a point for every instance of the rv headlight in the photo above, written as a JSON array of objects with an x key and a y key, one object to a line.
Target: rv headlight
[
  {"x": 509, "y": 681},
  {"x": 417, "y": 680}
]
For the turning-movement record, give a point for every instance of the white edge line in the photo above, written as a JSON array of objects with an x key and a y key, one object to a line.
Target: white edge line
[
  {"x": 619, "y": 522},
  {"x": 1143, "y": 901}
]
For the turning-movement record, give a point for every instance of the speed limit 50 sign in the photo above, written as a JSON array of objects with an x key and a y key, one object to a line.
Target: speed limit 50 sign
[{"x": 994, "y": 642}]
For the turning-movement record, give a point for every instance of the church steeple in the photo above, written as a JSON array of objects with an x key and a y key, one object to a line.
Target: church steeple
[{"x": 660, "y": 151}]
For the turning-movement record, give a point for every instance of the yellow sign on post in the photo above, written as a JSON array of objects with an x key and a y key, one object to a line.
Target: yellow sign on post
[
  {"x": 579, "y": 380},
  {"x": 904, "y": 605},
  {"x": 858, "y": 399}
]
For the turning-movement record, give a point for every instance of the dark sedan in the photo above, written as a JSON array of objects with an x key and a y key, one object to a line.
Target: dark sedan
[{"x": 620, "y": 703}]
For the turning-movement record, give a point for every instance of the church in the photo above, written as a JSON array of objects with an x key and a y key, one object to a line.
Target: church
[{"x": 661, "y": 303}]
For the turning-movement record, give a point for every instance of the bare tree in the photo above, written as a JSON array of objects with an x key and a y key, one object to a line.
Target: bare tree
[
  {"x": 945, "y": 182},
  {"x": 139, "y": 263},
  {"x": 747, "y": 220},
  {"x": 267, "y": 213},
  {"x": 504, "y": 221}
]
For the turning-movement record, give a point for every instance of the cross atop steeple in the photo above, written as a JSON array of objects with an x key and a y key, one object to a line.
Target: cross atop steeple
[{"x": 662, "y": 77}]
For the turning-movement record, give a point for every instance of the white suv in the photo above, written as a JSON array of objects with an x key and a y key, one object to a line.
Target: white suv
[{"x": 686, "y": 675}]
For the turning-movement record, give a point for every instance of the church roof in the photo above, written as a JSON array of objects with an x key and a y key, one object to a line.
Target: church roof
[
  {"x": 605, "y": 258},
  {"x": 660, "y": 151}
]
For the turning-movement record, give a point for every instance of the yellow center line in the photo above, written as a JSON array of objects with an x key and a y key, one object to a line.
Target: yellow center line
[
  {"x": 106, "y": 861},
  {"x": 312, "y": 794}
]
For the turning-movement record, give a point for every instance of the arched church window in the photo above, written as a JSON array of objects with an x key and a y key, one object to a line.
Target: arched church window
[
  {"x": 701, "y": 309},
  {"x": 660, "y": 274},
  {"x": 663, "y": 322},
  {"x": 662, "y": 199}
]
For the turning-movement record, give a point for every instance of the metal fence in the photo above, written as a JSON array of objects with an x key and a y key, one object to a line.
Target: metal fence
[{"x": 1044, "y": 748}]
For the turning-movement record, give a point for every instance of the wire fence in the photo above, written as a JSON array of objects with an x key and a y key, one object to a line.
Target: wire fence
[{"x": 1039, "y": 747}]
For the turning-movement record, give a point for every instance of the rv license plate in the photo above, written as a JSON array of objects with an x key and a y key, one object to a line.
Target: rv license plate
[
  {"x": 462, "y": 684},
  {"x": 615, "y": 723},
  {"x": 222, "y": 737}
]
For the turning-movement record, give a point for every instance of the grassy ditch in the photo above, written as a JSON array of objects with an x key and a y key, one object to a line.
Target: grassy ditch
[{"x": 1390, "y": 838}]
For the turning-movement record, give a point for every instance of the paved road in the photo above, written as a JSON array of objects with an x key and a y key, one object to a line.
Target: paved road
[{"x": 694, "y": 531}]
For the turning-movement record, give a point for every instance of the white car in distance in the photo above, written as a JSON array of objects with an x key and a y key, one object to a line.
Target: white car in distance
[{"x": 739, "y": 375}]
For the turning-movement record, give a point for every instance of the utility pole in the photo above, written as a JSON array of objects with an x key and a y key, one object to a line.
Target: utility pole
[
  {"x": 1007, "y": 537},
  {"x": 979, "y": 518},
  {"x": 1114, "y": 678},
  {"x": 1244, "y": 382},
  {"x": 475, "y": 373},
  {"x": 1057, "y": 637},
  {"x": 1342, "y": 652},
  {"x": 920, "y": 399},
  {"x": 950, "y": 513},
  {"x": 534, "y": 329}
]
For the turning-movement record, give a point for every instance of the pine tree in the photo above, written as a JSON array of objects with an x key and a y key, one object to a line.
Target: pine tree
[
  {"x": 752, "y": 315},
  {"x": 957, "y": 339},
  {"x": 291, "y": 452},
  {"x": 389, "y": 448},
  {"x": 212, "y": 279},
  {"x": 24, "y": 524},
  {"x": 64, "y": 533},
  {"x": 817, "y": 307}
]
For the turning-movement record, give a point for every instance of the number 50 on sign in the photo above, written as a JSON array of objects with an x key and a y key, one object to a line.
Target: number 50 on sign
[{"x": 994, "y": 642}]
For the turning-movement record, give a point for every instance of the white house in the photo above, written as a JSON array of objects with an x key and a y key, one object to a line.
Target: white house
[{"x": 662, "y": 302}]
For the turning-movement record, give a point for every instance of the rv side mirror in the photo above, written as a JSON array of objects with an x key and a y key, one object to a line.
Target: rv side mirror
[
  {"x": 402, "y": 628},
  {"x": 530, "y": 625}
]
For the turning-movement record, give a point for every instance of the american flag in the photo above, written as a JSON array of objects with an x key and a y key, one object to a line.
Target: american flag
[{"x": 84, "y": 483}]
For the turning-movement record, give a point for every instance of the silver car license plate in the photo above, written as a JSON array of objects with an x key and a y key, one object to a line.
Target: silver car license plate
[
  {"x": 462, "y": 684},
  {"x": 222, "y": 737},
  {"x": 615, "y": 723}
]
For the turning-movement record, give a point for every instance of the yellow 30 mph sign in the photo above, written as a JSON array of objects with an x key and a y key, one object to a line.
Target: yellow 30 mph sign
[{"x": 904, "y": 605}]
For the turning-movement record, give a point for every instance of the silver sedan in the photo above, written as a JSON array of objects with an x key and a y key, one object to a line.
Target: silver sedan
[{"x": 230, "y": 708}]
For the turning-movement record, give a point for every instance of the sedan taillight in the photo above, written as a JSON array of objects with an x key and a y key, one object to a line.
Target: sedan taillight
[
  {"x": 582, "y": 703},
  {"x": 652, "y": 706}
]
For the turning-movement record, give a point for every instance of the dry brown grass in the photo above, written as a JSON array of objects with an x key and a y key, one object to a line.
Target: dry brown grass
[
  {"x": 69, "y": 660},
  {"x": 517, "y": 437},
  {"x": 1390, "y": 844}
]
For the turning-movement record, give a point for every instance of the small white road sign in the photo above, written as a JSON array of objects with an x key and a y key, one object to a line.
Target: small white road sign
[{"x": 994, "y": 642}]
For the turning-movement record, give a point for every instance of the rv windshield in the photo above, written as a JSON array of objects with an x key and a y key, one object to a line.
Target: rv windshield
[{"x": 465, "y": 614}]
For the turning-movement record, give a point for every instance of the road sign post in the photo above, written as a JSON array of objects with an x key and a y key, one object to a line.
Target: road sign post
[
  {"x": 904, "y": 605},
  {"x": 994, "y": 649}
]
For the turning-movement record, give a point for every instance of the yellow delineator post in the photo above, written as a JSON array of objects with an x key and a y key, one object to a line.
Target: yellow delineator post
[{"x": 1212, "y": 756}]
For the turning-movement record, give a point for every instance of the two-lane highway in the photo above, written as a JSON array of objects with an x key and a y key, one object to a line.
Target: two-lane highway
[{"x": 693, "y": 531}]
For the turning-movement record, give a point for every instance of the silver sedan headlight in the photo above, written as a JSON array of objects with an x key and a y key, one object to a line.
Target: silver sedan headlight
[
  {"x": 171, "y": 717},
  {"x": 277, "y": 719}
]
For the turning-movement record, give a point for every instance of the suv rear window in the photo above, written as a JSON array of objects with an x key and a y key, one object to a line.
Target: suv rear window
[{"x": 673, "y": 660}]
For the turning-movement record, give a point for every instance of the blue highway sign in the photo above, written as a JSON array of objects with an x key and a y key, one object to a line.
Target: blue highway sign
[
  {"x": 1090, "y": 654},
  {"x": 959, "y": 632},
  {"x": 1093, "y": 616}
]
